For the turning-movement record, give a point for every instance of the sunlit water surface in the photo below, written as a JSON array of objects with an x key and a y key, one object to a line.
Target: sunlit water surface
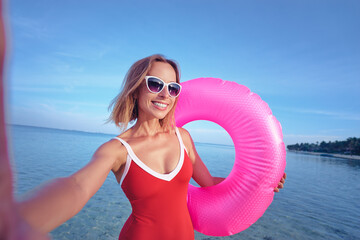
[{"x": 321, "y": 199}]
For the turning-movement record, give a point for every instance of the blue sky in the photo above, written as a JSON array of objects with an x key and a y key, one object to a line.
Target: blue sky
[{"x": 68, "y": 58}]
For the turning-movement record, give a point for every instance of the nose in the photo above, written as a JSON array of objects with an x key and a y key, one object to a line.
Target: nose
[{"x": 164, "y": 93}]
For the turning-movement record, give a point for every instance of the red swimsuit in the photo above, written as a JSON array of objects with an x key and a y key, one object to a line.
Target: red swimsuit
[{"x": 159, "y": 207}]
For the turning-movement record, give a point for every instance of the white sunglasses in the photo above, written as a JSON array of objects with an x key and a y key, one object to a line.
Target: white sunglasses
[{"x": 156, "y": 85}]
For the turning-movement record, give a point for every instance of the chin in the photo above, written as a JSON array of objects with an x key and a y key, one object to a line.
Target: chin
[
  {"x": 160, "y": 117},
  {"x": 161, "y": 114}
]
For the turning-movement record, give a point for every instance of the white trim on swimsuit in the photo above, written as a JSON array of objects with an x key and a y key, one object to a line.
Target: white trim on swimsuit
[{"x": 164, "y": 176}]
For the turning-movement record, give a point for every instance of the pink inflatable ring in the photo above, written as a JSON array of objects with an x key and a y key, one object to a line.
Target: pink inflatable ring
[{"x": 242, "y": 198}]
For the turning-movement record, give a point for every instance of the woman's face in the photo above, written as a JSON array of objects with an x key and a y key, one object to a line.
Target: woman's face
[{"x": 156, "y": 105}]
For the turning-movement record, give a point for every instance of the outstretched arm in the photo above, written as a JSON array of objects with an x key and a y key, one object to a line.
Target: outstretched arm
[
  {"x": 54, "y": 203},
  {"x": 12, "y": 226}
]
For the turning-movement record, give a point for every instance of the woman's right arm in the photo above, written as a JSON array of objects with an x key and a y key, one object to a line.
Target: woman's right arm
[{"x": 57, "y": 201}]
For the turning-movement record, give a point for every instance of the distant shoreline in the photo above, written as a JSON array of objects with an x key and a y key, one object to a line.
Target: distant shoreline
[{"x": 334, "y": 155}]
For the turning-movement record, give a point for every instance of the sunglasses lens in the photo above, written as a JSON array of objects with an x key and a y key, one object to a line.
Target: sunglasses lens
[
  {"x": 174, "y": 89},
  {"x": 155, "y": 85}
]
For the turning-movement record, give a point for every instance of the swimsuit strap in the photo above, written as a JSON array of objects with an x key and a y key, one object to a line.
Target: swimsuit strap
[
  {"x": 131, "y": 156},
  {"x": 127, "y": 146},
  {"x": 180, "y": 140}
]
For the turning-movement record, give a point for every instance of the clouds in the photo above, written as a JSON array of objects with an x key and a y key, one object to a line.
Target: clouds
[
  {"x": 69, "y": 58},
  {"x": 91, "y": 50},
  {"x": 30, "y": 28},
  {"x": 51, "y": 116},
  {"x": 341, "y": 115}
]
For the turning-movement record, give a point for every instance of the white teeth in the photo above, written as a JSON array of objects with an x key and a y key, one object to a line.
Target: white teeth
[{"x": 162, "y": 105}]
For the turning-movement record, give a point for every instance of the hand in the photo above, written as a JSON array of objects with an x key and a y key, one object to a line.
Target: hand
[
  {"x": 281, "y": 183},
  {"x": 14, "y": 227}
]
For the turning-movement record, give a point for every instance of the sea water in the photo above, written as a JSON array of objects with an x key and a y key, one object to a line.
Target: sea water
[{"x": 321, "y": 198}]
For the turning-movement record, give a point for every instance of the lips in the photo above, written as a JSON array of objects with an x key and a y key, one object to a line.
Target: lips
[{"x": 160, "y": 105}]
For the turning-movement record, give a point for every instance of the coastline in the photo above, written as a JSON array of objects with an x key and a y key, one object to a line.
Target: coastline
[{"x": 334, "y": 155}]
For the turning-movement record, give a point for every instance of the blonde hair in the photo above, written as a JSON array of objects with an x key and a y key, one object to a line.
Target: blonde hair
[{"x": 124, "y": 107}]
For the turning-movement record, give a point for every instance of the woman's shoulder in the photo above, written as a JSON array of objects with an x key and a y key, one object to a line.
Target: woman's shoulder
[
  {"x": 112, "y": 148},
  {"x": 186, "y": 137},
  {"x": 183, "y": 132}
]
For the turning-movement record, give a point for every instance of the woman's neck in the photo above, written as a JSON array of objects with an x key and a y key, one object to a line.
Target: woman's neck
[{"x": 147, "y": 128}]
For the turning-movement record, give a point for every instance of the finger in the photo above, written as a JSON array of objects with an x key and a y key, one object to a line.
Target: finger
[
  {"x": 284, "y": 176},
  {"x": 282, "y": 180},
  {"x": 276, "y": 190},
  {"x": 280, "y": 185}
]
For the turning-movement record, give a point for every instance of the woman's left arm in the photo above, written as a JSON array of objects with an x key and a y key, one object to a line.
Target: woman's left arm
[{"x": 201, "y": 174}]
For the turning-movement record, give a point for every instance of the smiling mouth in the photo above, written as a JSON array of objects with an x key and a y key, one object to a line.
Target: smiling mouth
[{"x": 160, "y": 105}]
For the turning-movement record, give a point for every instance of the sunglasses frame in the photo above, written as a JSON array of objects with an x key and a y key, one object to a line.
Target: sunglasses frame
[{"x": 164, "y": 84}]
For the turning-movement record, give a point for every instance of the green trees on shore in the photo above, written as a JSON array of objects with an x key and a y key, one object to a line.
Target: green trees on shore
[{"x": 351, "y": 146}]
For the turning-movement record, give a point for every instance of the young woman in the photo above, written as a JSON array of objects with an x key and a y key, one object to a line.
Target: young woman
[{"x": 153, "y": 161}]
